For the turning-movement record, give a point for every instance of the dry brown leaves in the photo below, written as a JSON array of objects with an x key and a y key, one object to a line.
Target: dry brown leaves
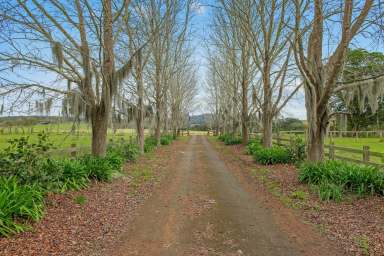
[
  {"x": 355, "y": 223},
  {"x": 72, "y": 229}
]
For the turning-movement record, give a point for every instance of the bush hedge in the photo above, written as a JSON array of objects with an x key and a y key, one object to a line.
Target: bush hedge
[
  {"x": 27, "y": 172},
  {"x": 166, "y": 139},
  {"x": 297, "y": 149},
  {"x": 273, "y": 155},
  {"x": 150, "y": 144},
  {"x": 230, "y": 139},
  {"x": 18, "y": 201},
  {"x": 128, "y": 151},
  {"x": 253, "y": 146},
  {"x": 340, "y": 177}
]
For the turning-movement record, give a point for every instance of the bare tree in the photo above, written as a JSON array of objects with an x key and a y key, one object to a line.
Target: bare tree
[
  {"x": 321, "y": 72},
  {"x": 269, "y": 36},
  {"x": 82, "y": 38}
]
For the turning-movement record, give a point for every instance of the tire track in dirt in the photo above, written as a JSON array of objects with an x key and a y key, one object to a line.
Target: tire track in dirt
[{"x": 203, "y": 209}]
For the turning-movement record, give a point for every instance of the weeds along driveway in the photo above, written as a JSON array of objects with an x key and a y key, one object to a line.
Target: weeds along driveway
[
  {"x": 205, "y": 210},
  {"x": 181, "y": 200},
  {"x": 75, "y": 229}
]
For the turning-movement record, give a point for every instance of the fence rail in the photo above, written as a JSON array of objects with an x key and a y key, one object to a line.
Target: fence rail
[
  {"x": 365, "y": 154},
  {"x": 356, "y": 134}
]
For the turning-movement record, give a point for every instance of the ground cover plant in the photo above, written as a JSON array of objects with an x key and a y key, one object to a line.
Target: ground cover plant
[
  {"x": 166, "y": 139},
  {"x": 150, "y": 144},
  {"x": 335, "y": 178},
  {"x": 375, "y": 145},
  {"x": 28, "y": 172},
  {"x": 18, "y": 201},
  {"x": 273, "y": 155},
  {"x": 230, "y": 139}
]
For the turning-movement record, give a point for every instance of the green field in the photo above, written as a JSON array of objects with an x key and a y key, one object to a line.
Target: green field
[
  {"x": 374, "y": 144},
  {"x": 60, "y": 135}
]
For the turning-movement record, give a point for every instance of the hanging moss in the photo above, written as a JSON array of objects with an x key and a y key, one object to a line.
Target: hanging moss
[
  {"x": 57, "y": 54},
  {"x": 367, "y": 91}
]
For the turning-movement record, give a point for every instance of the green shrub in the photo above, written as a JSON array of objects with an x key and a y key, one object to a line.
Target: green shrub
[
  {"x": 257, "y": 140},
  {"x": 233, "y": 140},
  {"x": 253, "y": 147},
  {"x": 349, "y": 177},
  {"x": 81, "y": 200},
  {"x": 18, "y": 202},
  {"x": 300, "y": 195},
  {"x": 75, "y": 176},
  {"x": 273, "y": 155},
  {"x": 150, "y": 144},
  {"x": 127, "y": 151},
  {"x": 297, "y": 149},
  {"x": 31, "y": 165},
  {"x": 229, "y": 139},
  {"x": 101, "y": 168},
  {"x": 166, "y": 139},
  {"x": 23, "y": 159},
  {"x": 329, "y": 191},
  {"x": 222, "y": 137}
]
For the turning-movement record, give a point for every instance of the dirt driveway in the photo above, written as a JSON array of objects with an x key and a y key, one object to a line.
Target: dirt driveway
[{"x": 203, "y": 209}]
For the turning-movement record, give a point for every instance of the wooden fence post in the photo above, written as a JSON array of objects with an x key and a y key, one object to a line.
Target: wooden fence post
[
  {"x": 73, "y": 150},
  {"x": 366, "y": 154},
  {"x": 188, "y": 132},
  {"x": 331, "y": 151},
  {"x": 291, "y": 141},
  {"x": 131, "y": 139},
  {"x": 278, "y": 139}
]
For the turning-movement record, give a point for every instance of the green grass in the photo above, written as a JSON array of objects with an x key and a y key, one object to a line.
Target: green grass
[
  {"x": 300, "y": 195},
  {"x": 375, "y": 145},
  {"x": 332, "y": 179},
  {"x": 363, "y": 242},
  {"x": 16, "y": 202},
  {"x": 61, "y": 137},
  {"x": 140, "y": 176},
  {"x": 81, "y": 200}
]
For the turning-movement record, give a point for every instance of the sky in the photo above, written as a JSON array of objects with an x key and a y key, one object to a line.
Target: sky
[{"x": 201, "y": 26}]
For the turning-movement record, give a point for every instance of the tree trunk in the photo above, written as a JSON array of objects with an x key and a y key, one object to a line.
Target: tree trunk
[
  {"x": 315, "y": 147},
  {"x": 317, "y": 118},
  {"x": 99, "y": 119},
  {"x": 244, "y": 113},
  {"x": 267, "y": 130},
  {"x": 158, "y": 106},
  {"x": 267, "y": 107},
  {"x": 140, "y": 115},
  {"x": 175, "y": 132},
  {"x": 158, "y": 122},
  {"x": 100, "y": 112},
  {"x": 140, "y": 128},
  {"x": 317, "y": 130},
  {"x": 140, "y": 104}
]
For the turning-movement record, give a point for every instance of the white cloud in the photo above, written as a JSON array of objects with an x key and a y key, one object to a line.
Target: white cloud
[
  {"x": 198, "y": 8},
  {"x": 295, "y": 108}
]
